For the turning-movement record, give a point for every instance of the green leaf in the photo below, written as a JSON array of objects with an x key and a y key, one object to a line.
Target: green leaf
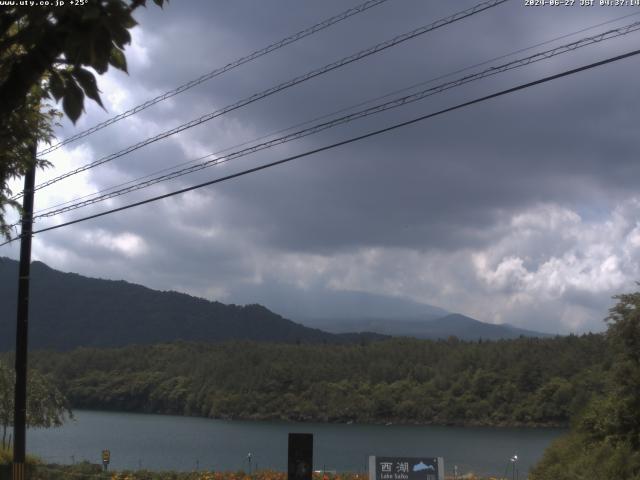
[
  {"x": 75, "y": 49},
  {"x": 56, "y": 85},
  {"x": 90, "y": 12},
  {"x": 127, "y": 21},
  {"x": 73, "y": 101},
  {"x": 88, "y": 83},
  {"x": 120, "y": 35},
  {"x": 102, "y": 46},
  {"x": 158, "y": 2},
  {"x": 118, "y": 59}
]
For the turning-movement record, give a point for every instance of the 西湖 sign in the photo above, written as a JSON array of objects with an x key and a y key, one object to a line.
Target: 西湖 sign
[{"x": 406, "y": 468}]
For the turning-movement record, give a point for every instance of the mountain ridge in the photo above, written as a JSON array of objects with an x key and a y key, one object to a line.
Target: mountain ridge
[
  {"x": 452, "y": 324},
  {"x": 70, "y": 310}
]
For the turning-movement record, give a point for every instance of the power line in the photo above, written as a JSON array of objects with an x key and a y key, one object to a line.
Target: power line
[
  {"x": 344, "y": 142},
  {"x": 342, "y": 110},
  {"x": 265, "y": 93},
  {"x": 405, "y": 100},
  {"x": 219, "y": 71}
]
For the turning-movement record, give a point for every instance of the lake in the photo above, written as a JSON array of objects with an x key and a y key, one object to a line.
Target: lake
[{"x": 163, "y": 442}]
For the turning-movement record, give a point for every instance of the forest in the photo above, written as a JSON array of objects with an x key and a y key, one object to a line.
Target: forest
[{"x": 527, "y": 381}]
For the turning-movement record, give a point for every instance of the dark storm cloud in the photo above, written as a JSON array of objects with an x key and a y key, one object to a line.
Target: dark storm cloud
[
  {"x": 468, "y": 211},
  {"x": 527, "y": 164}
]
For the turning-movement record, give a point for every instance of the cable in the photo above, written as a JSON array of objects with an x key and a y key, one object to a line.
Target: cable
[
  {"x": 354, "y": 116},
  {"x": 344, "y": 61},
  {"x": 219, "y": 71},
  {"x": 322, "y": 117},
  {"x": 258, "y": 96},
  {"x": 343, "y": 142}
]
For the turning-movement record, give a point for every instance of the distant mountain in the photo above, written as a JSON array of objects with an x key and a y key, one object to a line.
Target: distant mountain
[
  {"x": 305, "y": 306},
  {"x": 350, "y": 311},
  {"x": 466, "y": 328},
  {"x": 68, "y": 310},
  {"x": 461, "y": 326}
]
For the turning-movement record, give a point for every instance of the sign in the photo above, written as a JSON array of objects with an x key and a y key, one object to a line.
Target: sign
[
  {"x": 406, "y": 468},
  {"x": 106, "y": 458},
  {"x": 300, "y": 464}
]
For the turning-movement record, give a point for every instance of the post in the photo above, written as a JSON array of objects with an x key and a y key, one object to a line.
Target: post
[
  {"x": 300, "y": 458},
  {"x": 22, "y": 325},
  {"x": 106, "y": 458}
]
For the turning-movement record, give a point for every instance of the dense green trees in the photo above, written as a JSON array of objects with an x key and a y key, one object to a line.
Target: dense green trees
[
  {"x": 517, "y": 382},
  {"x": 604, "y": 441},
  {"x": 46, "y": 406}
]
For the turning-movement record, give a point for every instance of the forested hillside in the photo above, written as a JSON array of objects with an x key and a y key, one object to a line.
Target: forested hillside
[
  {"x": 69, "y": 310},
  {"x": 510, "y": 382},
  {"x": 604, "y": 440}
]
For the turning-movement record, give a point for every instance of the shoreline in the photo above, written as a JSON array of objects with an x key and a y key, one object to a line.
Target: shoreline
[{"x": 322, "y": 421}]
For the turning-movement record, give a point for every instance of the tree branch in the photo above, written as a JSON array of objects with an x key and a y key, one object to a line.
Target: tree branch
[{"x": 28, "y": 70}]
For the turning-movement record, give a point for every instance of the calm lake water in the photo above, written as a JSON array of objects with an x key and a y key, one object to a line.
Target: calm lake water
[{"x": 159, "y": 442}]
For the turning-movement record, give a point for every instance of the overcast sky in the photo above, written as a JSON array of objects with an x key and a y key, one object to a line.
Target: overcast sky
[{"x": 523, "y": 209}]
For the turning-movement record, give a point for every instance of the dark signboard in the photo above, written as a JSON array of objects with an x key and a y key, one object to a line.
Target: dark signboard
[
  {"x": 406, "y": 468},
  {"x": 300, "y": 456}
]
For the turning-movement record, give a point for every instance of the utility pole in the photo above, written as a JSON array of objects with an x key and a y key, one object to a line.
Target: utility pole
[{"x": 22, "y": 324}]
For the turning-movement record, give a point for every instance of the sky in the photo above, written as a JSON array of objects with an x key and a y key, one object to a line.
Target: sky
[{"x": 522, "y": 209}]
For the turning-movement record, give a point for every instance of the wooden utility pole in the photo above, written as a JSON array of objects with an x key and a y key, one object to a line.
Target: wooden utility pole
[{"x": 22, "y": 324}]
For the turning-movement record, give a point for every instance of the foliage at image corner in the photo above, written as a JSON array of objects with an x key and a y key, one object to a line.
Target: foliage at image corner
[
  {"x": 13, "y": 163},
  {"x": 46, "y": 55},
  {"x": 6, "y": 458},
  {"x": 46, "y": 406},
  {"x": 604, "y": 441}
]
